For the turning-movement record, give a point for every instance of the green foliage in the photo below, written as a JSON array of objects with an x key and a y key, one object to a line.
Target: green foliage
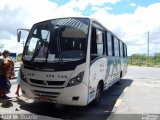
[
  {"x": 143, "y": 60},
  {"x": 19, "y": 57}
]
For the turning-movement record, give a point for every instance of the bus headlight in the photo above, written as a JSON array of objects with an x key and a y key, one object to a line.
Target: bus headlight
[
  {"x": 76, "y": 80},
  {"x": 23, "y": 77}
]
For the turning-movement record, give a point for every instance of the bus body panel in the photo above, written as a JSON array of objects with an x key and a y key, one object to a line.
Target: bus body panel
[
  {"x": 110, "y": 71},
  {"x": 97, "y": 73},
  {"x": 124, "y": 66},
  {"x": 116, "y": 70}
]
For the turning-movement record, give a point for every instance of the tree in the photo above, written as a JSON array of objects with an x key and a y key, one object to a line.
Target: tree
[
  {"x": 157, "y": 58},
  {"x": 19, "y": 57}
]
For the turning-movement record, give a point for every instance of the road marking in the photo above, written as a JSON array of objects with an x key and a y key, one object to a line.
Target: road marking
[
  {"x": 118, "y": 102},
  {"x": 125, "y": 90}
]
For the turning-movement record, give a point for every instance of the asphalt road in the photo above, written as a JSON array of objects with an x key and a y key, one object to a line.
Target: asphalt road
[
  {"x": 138, "y": 93},
  {"x": 140, "y": 100}
]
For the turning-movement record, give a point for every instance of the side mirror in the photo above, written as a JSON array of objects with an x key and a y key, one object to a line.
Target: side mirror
[{"x": 18, "y": 35}]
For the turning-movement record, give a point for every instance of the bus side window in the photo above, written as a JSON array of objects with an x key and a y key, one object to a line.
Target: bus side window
[
  {"x": 113, "y": 46},
  {"x": 106, "y": 43},
  {"x": 125, "y": 50},
  {"x": 109, "y": 43},
  {"x": 121, "y": 49},
  {"x": 99, "y": 41},
  {"x": 124, "y": 54},
  {"x": 116, "y": 47},
  {"x": 93, "y": 42},
  {"x": 97, "y": 48}
]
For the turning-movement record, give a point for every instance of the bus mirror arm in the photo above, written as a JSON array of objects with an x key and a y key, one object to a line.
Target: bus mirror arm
[
  {"x": 18, "y": 36},
  {"x": 19, "y": 33}
]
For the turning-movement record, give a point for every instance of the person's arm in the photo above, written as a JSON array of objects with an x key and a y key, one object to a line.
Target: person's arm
[
  {"x": 4, "y": 66},
  {"x": 12, "y": 69}
]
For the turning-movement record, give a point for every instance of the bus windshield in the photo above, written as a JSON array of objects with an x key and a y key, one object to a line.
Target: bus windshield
[{"x": 58, "y": 40}]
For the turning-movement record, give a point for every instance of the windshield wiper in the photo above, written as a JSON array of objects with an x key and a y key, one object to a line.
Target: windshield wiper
[
  {"x": 59, "y": 46},
  {"x": 38, "y": 47},
  {"x": 59, "y": 50}
]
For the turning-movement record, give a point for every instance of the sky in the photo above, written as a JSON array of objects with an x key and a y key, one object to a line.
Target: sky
[{"x": 130, "y": 20}]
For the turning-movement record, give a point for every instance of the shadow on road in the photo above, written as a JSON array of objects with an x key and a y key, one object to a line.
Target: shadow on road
[{"x": 100, "y": 112}]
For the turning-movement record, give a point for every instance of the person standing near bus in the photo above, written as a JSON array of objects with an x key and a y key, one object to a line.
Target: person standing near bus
[
  {"x": 3, "y": 76},
  {"x": 18, "y": 83}
]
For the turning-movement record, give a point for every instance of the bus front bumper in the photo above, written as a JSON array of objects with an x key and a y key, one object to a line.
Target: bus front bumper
[{"x": 75, "y": 95}]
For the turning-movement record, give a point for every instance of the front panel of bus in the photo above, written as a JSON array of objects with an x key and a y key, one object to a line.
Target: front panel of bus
[{"x": 54, "y": 62}]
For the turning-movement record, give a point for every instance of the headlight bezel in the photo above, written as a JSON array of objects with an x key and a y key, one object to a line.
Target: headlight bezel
[{"x": 76, "y": 80}]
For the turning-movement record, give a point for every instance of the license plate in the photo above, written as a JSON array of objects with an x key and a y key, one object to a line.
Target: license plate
[{"x": 43, "y": 99}]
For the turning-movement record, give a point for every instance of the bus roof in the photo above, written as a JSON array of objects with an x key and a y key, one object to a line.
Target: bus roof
[{"x": 91, "y": 20}]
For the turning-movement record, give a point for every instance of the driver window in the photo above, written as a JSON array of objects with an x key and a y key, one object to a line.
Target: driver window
[{"x": 97, "y": 37}]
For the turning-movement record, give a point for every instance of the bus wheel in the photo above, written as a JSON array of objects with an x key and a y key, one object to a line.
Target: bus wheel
[
  {"x": 119, "y": 81},
  {"x": 98, "y": 95},
  {"x": 121, "y": 75}
]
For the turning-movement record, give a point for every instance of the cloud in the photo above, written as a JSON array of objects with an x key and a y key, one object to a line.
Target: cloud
[
  {"x": 81, "y": 4},
  {"x": 21, "y": 14},
  {"x": 131, "y": 28},
  {"x": 8, "y": 22},
  {"x": 77, "y": 7},
  {"x": 133, "y": 5},
  {"x": 102, "y": 2},
  {"x": 97, "y": 7},
  {"x": 24, "y": 13}
]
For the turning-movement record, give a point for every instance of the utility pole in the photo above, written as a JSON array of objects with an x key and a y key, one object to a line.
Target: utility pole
[
  {"x": 148, "y": 48},
  {"x": 148, "y": 45},
  {"x": 23, "y": 43}
]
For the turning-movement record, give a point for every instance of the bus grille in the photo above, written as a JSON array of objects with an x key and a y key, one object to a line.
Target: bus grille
[
  {"x": 46, "y": 83},
  {"x": 38, "y": 93}
]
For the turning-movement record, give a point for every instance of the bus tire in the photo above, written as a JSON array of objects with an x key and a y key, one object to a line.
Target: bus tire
[
  {"x": 119, "y": 81},
  {"x": 121, "y": 75},
  {"x": 98, "y": 94}
]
